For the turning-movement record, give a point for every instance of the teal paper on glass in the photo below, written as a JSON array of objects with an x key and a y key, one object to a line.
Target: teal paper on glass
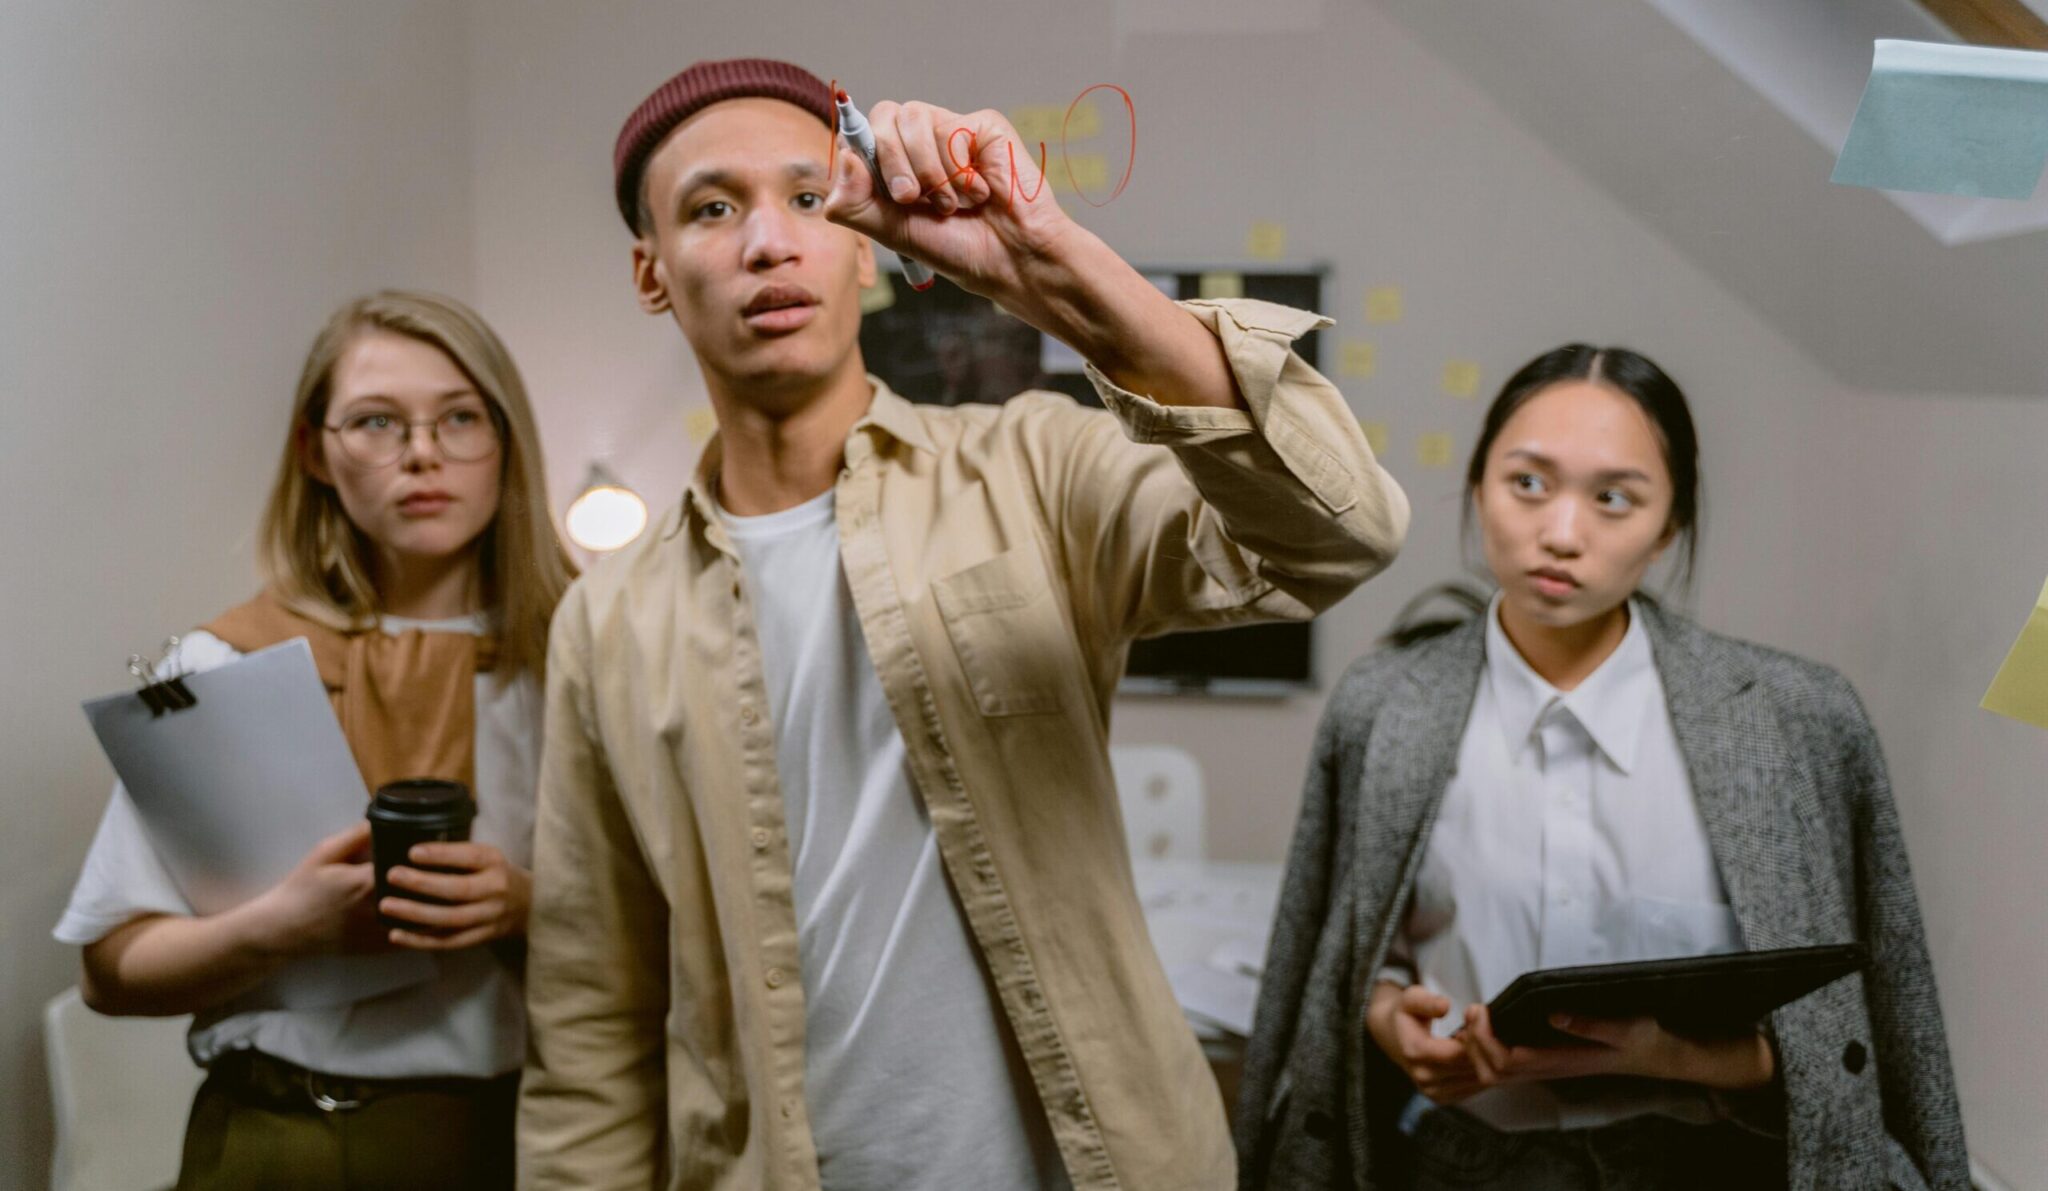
[{"x": 1950, "y": 119}]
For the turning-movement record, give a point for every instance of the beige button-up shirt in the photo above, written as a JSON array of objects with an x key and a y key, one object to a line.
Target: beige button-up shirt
[{"x": 1001, "y": 559}]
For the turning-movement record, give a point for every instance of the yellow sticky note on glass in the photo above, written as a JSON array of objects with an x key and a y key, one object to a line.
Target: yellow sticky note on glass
[
  {"x": 1383, "y": 304},
  {"x": 1461, "y": 378},
  {"x": 1220, "y": 285},
  {"x": 1266, "y": 241},
  {"x": 1087, "y": 173},
  {"x": 700, "y": 424},
  {"x": 1047, "y": 122},
  {"x": 2020, "y": 691},
  {"x": 1083, "y": 119},
  {"x": 1375, "y": 436},
  {"x": 1037, "y": 122},
  {"x": 1357, "y": 359},
  {"x": 1434, "y": 450}
]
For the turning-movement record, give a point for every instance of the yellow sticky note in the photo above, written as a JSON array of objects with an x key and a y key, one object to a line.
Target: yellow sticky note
[
  {"x": 1087, "y": 173},
  {"x": 1461, "y": 378},
  {"x": 1434, "y": 450},
  {"x": 1267, "y": 241},
  {"x": 879, "y": 296},
  {"x": 1355, "y": 358},
  {"x": 2020, "y": 691},
  {"x": 1375, "y": 436},
  {"x": 1085, "y": 119},
  {"x": 700, "y": 424},
  {"x": 1037, "y": 122},
  {"x": 1383, "y": 304},
  {"x": 1220, "y": 285}
]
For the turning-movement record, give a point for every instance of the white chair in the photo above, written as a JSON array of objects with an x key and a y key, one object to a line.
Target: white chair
[
  {"x": 121, "y": 1088},
  {"x": 1160, "y": 789}
]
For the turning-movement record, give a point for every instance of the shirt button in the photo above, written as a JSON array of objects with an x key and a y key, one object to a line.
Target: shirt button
[
  {"x": 747, "y": 714},
  {"x": 761, "y": 837},
  {"x": 788, "y": 1110},
  {"x": 775, "y": 978}
]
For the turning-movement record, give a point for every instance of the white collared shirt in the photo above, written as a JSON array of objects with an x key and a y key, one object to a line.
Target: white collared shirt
[{"x": 1568, "y": 835}]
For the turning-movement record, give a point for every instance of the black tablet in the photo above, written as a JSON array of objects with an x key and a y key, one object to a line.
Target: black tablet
[{"x": 1706, "y": 996}]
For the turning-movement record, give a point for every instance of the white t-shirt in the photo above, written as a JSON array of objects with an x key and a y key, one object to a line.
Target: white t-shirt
[
  {"x": 912, "y": 1078},
  {"x": 470, "y": 1020}
]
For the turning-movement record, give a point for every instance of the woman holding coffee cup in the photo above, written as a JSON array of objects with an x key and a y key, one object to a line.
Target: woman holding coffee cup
[{"x": 408, "y": 539}]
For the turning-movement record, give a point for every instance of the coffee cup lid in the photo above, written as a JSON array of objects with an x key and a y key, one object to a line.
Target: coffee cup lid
[{"x": 417, "y": 795}]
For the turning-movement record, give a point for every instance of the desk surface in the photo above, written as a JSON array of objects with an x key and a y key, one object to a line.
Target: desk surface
[{"x": 1209, "y": 922}]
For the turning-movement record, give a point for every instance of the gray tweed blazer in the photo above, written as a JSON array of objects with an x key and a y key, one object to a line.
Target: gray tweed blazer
[{"x": 1799, "y": 813}]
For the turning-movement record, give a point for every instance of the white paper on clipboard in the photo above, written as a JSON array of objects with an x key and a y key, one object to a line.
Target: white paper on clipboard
[{"x": 235, "y": 790}]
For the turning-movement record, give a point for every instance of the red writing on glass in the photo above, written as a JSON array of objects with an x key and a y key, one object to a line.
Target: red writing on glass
[
  {"x": 1066, "y": 159},
  {"x": 966, "y": 168}
]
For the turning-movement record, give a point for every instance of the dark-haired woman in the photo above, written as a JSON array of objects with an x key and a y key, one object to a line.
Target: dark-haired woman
[{"x": 1580, "y": 776}]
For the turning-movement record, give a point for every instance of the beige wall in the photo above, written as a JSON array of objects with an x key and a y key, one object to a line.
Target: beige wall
[
  {"x": 1935, "y": 505},
  {"x": 189, "y": 188},
  {"x": 189, "y": 193}
]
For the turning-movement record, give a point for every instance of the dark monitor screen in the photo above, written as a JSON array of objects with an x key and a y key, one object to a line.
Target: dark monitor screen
[{"x": 948, "y": 347}]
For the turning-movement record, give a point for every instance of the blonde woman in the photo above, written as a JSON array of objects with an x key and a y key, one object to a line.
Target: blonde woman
[{"x": 408, "y": 539}]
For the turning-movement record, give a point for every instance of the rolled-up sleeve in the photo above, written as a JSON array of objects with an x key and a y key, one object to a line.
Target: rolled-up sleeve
[{"x": 1274, "y": 511}]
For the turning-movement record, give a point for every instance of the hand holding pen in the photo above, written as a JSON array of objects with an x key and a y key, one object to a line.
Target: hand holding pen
[
  {"x": 861, "y": 138},
  {"x": 965, "y": 195},
  {"x": 960, "y": 193}
]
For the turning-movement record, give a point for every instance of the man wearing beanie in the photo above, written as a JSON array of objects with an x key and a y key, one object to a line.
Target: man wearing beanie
[{"x": 831, "y": 883}]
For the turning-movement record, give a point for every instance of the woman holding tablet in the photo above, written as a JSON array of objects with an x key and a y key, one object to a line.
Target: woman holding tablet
[
  {"x": 408, "y": 539},
  {"x": 1580, "y": 776}
]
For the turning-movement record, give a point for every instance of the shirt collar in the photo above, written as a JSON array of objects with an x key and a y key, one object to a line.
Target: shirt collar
[
  {"x": 1609, "y": 704},
  {"x": 895, "y": 417},
  {"x": 888, "y": 413}
]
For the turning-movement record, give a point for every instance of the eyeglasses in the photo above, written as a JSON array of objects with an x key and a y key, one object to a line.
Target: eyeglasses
[{"x": 378, "y": 438}]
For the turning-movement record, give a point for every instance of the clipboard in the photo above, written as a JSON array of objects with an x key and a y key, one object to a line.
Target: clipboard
[
  {"x": 236, "y": 772},
  {"x": 1701, "y": 997}
]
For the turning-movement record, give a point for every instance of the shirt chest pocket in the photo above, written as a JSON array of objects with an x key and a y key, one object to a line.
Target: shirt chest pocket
[{"x": 1007, "y": 631}]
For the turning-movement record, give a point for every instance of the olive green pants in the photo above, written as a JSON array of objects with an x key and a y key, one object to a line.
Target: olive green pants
[{"x": 261, "y": 1123}]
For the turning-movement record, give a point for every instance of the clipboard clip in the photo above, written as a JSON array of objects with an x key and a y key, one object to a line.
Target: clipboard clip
[{"x": 161, "y": 694}]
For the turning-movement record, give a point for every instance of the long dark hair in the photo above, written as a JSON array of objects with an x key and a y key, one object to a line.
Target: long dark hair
[{"x": 1629, "y": 373}]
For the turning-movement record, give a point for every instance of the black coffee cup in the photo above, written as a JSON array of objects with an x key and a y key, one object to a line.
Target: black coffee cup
[{"x": 415, "y": 811}]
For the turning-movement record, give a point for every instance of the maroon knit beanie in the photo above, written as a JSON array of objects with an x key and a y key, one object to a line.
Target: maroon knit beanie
[{"x": 692, "y": 91}]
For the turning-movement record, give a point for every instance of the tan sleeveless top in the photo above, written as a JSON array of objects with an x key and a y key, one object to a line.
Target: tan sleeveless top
[{"x": 406, "y": 701}]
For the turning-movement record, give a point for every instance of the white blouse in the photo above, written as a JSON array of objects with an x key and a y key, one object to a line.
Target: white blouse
[
  {"x": 470, "y": 1020},
  {"x": 1568, "y": 835}
]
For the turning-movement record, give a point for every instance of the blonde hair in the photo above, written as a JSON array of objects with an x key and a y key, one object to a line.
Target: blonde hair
[{"x": 318, "y": 561}]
